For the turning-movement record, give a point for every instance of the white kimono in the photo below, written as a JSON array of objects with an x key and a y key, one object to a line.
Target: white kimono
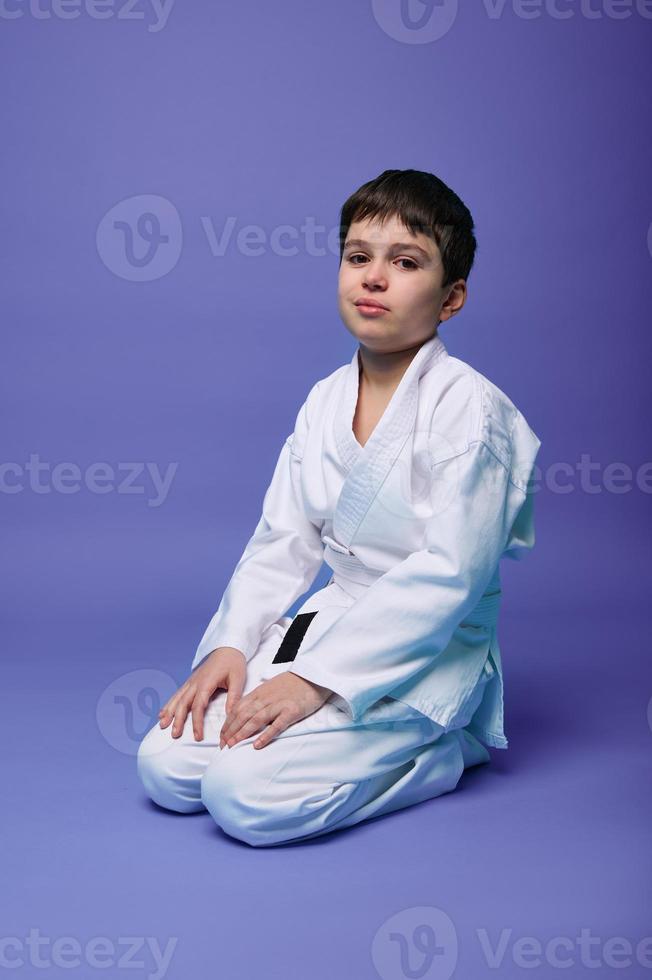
[{"x": 413, "y": 526}]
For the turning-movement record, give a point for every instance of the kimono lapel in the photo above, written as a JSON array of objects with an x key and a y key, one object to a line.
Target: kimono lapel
[{"x": 369, "y": 465}]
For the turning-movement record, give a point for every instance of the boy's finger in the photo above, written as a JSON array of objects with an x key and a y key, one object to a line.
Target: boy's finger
[
  {"x": 235, "y": 685},
  {"x": 252, "y": 725},
  {"x": 234, "y": 725},
  {"x": 234, "y": 722},
  {"x": 177, "y": 694},
  {"x": 272, "y": 730},
  {"x": 165, "y": 710},
  {"x": 180, "y": 718},
  {"x": 233, "y": 699},
  {"x": 197, "y": 721},
  {"x": 170, "y": 707},
  {"x": 227, "y": 726},
  {"x": 166, "y": 715},
  {"x": 198, "y": 711},
  {"x": 230, "y": 729}
]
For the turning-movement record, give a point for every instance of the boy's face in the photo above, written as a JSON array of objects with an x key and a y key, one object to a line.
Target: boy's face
[{"x": 401, "y": 271}]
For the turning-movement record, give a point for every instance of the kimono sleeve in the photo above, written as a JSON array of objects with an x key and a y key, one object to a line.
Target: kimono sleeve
[
  {"x": 280, "y": 561},
  {"x": 407, "y": 617}
]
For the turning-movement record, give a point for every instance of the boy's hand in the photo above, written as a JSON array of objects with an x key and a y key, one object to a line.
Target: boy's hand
[
  {"x": 277, "y": 704},
  {"x": 224, "y": 667}
]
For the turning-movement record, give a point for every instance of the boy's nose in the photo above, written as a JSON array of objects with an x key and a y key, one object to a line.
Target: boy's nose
[{"x": 374, "y": 277}]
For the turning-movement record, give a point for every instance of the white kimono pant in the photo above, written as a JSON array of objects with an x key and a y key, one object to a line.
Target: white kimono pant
[{"x": 322, "y": 773}]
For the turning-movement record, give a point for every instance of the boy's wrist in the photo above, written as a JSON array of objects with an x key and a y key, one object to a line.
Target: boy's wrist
[{"x": 325, "y": 691}]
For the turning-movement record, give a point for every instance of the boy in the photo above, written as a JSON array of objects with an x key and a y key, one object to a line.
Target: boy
[{"x": 409, "y": 473}]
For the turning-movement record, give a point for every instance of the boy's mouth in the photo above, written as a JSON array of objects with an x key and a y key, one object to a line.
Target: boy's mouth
[{"x": 370, "y": 307}]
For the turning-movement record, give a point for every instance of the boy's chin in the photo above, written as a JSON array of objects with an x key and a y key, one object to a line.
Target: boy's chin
[{"x": 363, "y": 329}]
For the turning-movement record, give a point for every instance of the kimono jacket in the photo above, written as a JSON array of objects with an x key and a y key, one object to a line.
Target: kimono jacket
[{"x": 413, "y": 526}]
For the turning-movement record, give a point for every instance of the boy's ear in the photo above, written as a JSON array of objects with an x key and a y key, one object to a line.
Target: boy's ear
[{"x": 454, "y": 301}]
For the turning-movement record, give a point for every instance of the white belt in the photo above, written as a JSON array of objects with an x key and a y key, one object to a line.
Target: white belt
[
  {"x": 348, "y": 568},
  {"x": 485, "y": 611}
]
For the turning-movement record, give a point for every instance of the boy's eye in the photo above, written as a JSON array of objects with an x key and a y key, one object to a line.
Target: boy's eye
[{"x": 359, "y": 255}]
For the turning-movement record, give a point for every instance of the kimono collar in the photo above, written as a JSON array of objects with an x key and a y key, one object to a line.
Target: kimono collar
[{"x": 399, "y": 416}]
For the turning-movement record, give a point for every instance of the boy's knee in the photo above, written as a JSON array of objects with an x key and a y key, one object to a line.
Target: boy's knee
[
  {"x": 225, "y": 795},
  {"x": 231, "y": 790},
  {"x": 160, "y": 767},
  {"x": 252, "y": 805}
]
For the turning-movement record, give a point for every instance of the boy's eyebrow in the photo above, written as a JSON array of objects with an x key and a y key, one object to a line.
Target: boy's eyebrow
[{"x": 402, "y": 246}]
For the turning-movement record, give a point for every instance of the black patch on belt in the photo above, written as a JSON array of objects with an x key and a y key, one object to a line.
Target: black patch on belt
[{"x": 293, "y": 637}]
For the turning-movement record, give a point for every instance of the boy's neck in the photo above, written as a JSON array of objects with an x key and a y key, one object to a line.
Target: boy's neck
[{"x": 381, "y": 373}]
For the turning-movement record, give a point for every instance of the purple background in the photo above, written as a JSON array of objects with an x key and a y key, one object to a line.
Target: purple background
[{"x": 273, "y": 114}]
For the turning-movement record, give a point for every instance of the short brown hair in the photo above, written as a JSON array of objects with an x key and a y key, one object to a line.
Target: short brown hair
[{"x": 426, "y": 205}]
